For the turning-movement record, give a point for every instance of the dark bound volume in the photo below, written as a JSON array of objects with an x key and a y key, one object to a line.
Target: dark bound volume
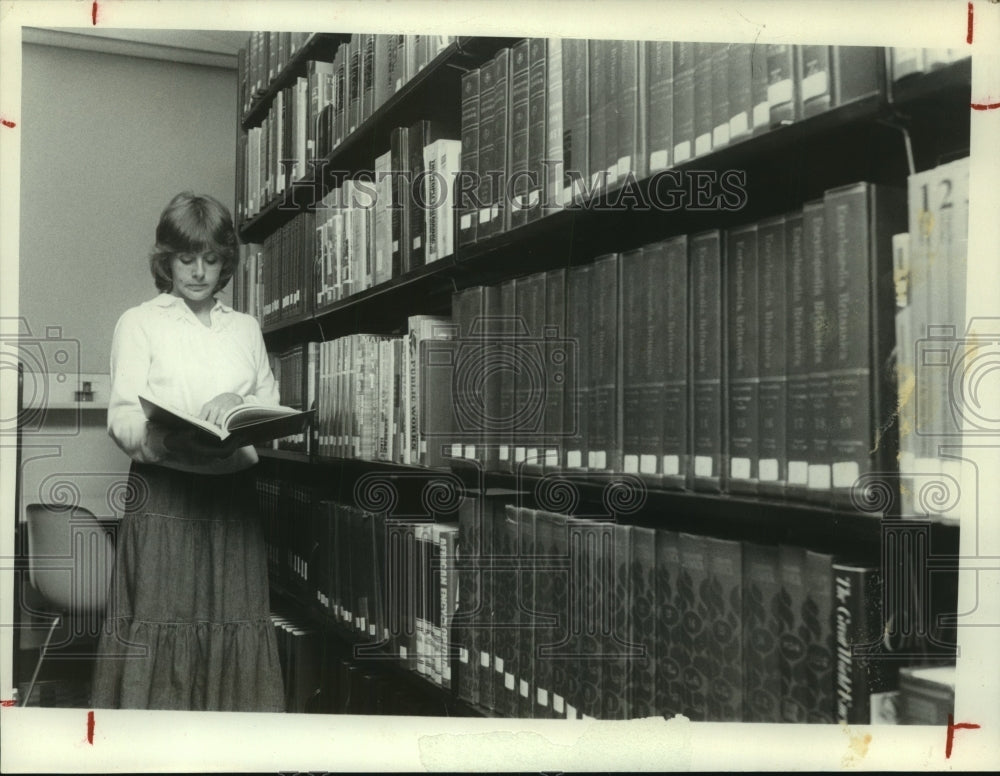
[
  {"x": 698, "y": 672},
  {"x": 576, "y": 120},
  {"x": 721, "y": 111},
  {"x": 468, "y": 622},
  {"x": 858, "y": 626},
  {"x": 860, "y": 221},
  {"x": 401, "y": 199},
  {"x": 528, "y": 400},
  {"x": 632, "y": 110},
  {"x": 643, "y": 609},
  {"x": 798, "y": 359},
  {"x": 578, "y": 312},
  {"x": 538, "y": 55},
  {"x": 613, "y": 89},
  {"x": 759, "y": 77},
  {"x": 495, "y": 331},
  {"x": 820, "y": 322},
  {"x": 505, "y": 587},
  {"x": 660, "y": 104},
  {"x": 502, "y": 113},
  {"x": 526, "y": 619},
  {"x": 599, "y": 67},
  {"x": 513, "y": 341},
  {"x": 487, "y": 156},
  {"x": 761, "y": 657},
  {"x": 367, "y": 76},
  {"x": 814, "y": 88},
  {"x": 615, "y": 644},
  {"x": 469, "y": 314},
  {"x": 817, "y": 617},
  {"x": 603, "y": 403},
  {"x": 560, "y": 356},
  {"x": 468, "y": 213},
  {"x": 553, "y": 154},
  {"x": 485, "y": 633},
  {"x": 771, "y": 303},
  {"x": 858, "y": 71},
  {"x": 516, "y": 186},
  {"x": 740, "y": 63},
  {"x": 723, "y": 597},
  {"x": 706, "y": 359},
  {"x": 644, "y": 362},
  {"x": 676, "y": 461},
  {"x": 782, "y": 83},
  {"x": 589, "y": 598},
  {"x": 552, "y": 637},
  {"x": 703, "y": 98},
  {"x": 742, "y": 352},
  {"x": 796, "y": 694}
]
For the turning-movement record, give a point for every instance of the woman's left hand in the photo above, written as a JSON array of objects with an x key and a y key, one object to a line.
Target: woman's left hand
[{"x": 215, "y": 409}]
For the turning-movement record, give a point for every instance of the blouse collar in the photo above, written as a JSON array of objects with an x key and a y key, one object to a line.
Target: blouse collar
[{"x": 180, "y": 310}]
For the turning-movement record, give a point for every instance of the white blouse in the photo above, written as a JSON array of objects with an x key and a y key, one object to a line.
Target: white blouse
[{"x": 161, "y": 348}]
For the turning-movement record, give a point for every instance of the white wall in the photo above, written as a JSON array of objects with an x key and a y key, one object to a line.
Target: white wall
[{"x": 107, "y": 140}]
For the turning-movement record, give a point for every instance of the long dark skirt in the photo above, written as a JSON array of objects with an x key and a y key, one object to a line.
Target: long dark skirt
[{"x": 188, "y": 623}]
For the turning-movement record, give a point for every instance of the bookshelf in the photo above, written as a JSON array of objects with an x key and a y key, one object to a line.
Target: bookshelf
[{"x": 880, "y": 136}]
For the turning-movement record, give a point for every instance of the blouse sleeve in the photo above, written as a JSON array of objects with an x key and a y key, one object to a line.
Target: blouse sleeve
[
  {"x": 130, "y": 361},
  {"x": 266, "y": 387}
]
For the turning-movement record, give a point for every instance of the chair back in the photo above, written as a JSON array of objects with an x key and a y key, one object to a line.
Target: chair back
[{"x": 70, "y": 559}]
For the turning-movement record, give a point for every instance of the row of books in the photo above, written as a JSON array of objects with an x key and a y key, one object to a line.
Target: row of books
[
  {"x": 308, "y": 119},
  {"x": 535, "y": 614},
  {"x": 265, "y": 55},
  {"x": 319, "y": 677},
  {"x": 295, "y": 372},
  {"x": 935, "y": 357},
  {"x": 906, "y": 62}
]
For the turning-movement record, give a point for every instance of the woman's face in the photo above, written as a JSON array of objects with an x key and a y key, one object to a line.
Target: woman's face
[{"x": 195, "y": 276}]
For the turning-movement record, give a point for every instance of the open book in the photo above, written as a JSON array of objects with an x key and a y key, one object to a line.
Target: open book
[{"x": 247, "y": 424}]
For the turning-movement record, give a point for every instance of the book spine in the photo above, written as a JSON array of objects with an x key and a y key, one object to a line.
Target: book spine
[
  {"x": 742, "y": 351},
  {"x": 538, "y": 57},
  {"x": 796, "y": 694},
  {"x": 612, "y": 79},
  {"x": 724, "y": 600},
  {"x": 692, "y": 587},
  {"x": 857, "y": 72},
  {"x": 817, "y": 617},
  {"x": 707, "y": 395},
  {"x": 355, "y": 70},
  {"x": 505, "y": 631},
  {"x": 551, "y": 602},
  {"x": 505, "y": 384},
  {"x": 721, "y": 112},
  {"x": 703, "y": 98},
  {"x": 367, "y": 76},
  {"x": 529, "y": 433},
  {"x": 603, "y": 402},
  {"x": 677, "y": 427},
  {"x": 469, "y": 619},
  {"x": 381, "y": 85},
  {"x": 576, "y": 120},
  {"x": 383, "y": 218},
  {"x": 487, "y": 158},
  {"x": 561, "y": 358},
  {"x": 526, "y": 623},
  {"x": 905, "y": 372},
  {"x": 659, "y": 118},
  {"x": 643, "y": 606},
  {"x": 575, "y": 424},
  {"x": 761, "y": 656},
  {"x": 631, "y": 111},
  {"x": 553, "y": 157},
  {"x": 740, "y": 80},
  {"x": 502, "y": 114},
  {"x": 815, "y": 92},
  {"x": 683, "y": 101},
  {"x": 860, "y": 221},
  {"x": 782, "y": 83},
  {"x": 858, "y": 625},
  {"x": 468, "y": 218},
  {"x": 415, "y": 253},
  {"x": 820, "y": 322},
  {"x": 431, "y": 197},
  {"x": 516, "y": 185},
  {"x": 615, "y": 644},
  {"x": 642, "y": 343},
  {"x": 772, "y": 262}
]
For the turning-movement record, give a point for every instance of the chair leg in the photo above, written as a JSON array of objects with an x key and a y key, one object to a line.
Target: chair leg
[{"x": 41, "y": 656}]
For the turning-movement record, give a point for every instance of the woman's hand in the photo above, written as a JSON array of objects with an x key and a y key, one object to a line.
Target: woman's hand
[{"x": 215, "y": 410}]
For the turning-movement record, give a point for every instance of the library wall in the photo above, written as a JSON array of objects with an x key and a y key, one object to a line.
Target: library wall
[{"x": 108, "y": 141}]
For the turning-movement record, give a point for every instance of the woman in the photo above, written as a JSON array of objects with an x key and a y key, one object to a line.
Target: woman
[{"x": 188, "y": 620}]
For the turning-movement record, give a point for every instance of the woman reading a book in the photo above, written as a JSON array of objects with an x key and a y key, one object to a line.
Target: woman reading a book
[{"x": 188, "y": 623}]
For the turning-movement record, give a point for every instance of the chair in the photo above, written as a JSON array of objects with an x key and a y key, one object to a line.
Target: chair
[{"x": 70, "y": 561}]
